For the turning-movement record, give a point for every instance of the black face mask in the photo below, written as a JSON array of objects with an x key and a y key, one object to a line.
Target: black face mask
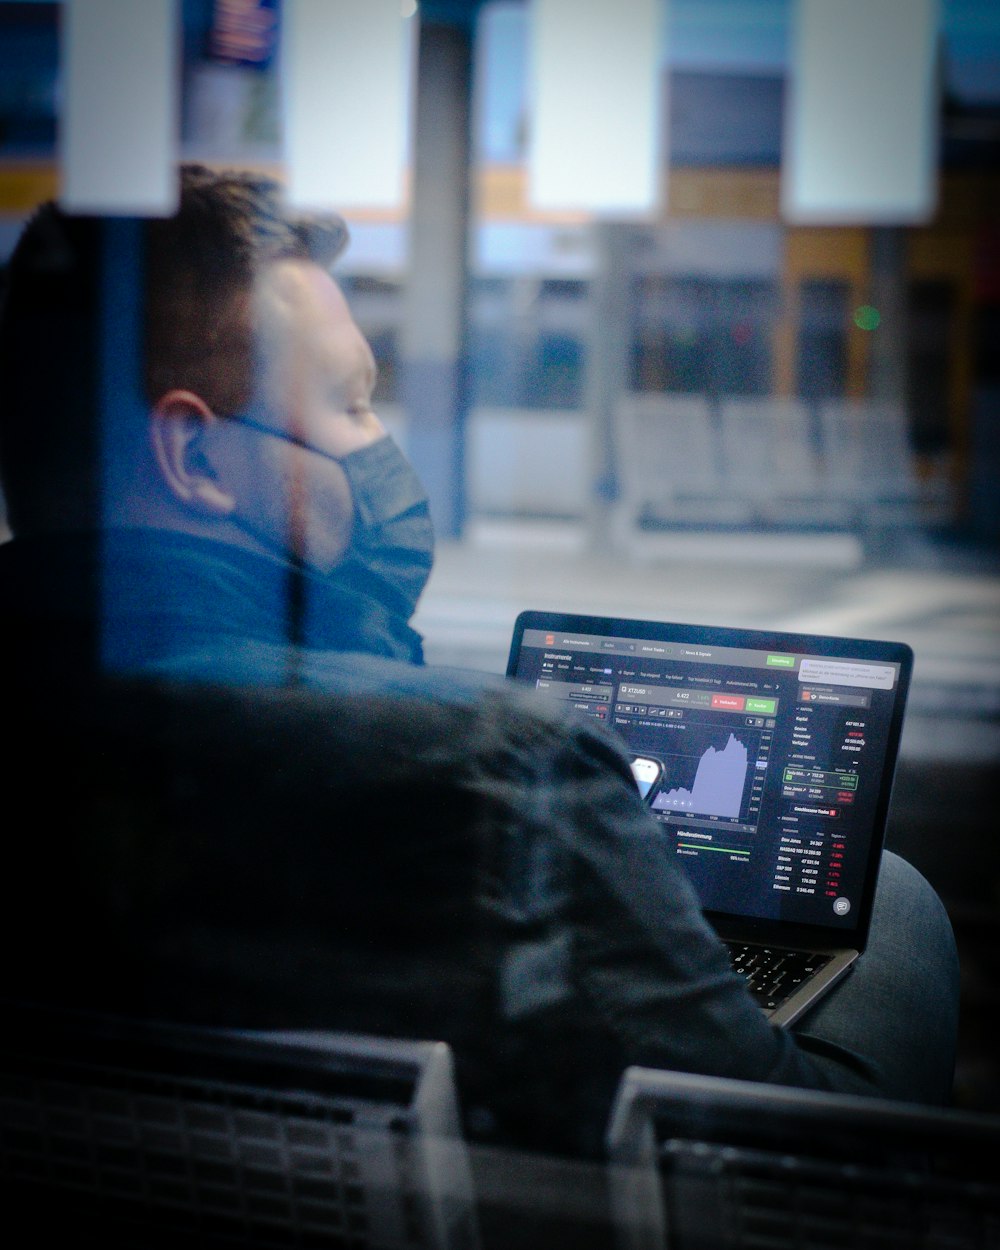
[
  {"x": 392, "y": 544},
  {"x": 391, "y": 550}
]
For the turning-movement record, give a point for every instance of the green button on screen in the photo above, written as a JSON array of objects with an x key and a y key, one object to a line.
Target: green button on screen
[
  {"x": 767, "y": 707},
  {"x": 781, "y": 661}
]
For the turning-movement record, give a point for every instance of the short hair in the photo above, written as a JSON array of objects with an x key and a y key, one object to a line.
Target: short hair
[{"x": 199, "y": 266}]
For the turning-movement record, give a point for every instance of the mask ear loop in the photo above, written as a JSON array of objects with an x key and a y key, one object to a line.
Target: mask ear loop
[{"x": 261, "y": 428}]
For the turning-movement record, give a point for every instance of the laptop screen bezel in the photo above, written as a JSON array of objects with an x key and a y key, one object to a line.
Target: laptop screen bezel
[{"x": 781, "y": 932}]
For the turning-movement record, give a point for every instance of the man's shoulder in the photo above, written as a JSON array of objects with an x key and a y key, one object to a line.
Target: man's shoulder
[
  {"x": 473, "y": 741},
  {"x": 251, "y": 662},
  {"x": 304, "y": 676},
  {"x": 453, "y": 709},
  {"x": 428, "y": 710}
]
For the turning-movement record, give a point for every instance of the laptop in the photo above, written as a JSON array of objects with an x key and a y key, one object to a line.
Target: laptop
[{"x": 767, "y": 759}]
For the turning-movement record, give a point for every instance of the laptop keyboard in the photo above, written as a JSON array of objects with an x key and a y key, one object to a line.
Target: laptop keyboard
[{"x": 771, "y": 973}]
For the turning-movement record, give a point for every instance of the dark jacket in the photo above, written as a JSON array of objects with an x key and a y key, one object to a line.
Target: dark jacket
[{"x": 261, "y": 835}]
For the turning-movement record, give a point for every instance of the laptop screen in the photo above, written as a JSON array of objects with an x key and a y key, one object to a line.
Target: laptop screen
[{"x": 767, "y": 758}]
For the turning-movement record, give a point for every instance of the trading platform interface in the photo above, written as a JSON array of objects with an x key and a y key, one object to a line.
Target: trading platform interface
[{"x": 772, "y": 762}]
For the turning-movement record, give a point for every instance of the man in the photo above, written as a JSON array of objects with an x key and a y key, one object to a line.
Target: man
[
  {"x": 259, "y": 456},
  {"x": 289, "y": 821}
]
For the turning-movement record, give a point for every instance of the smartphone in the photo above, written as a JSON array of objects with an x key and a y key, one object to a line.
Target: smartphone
[{"x": 647, "y": 773}]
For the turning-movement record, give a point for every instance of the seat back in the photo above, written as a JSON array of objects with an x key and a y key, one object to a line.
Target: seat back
[
  {"x": 668, "y": 459},
  {"x": 699, "y": 1162},
  {"x": 668, "y": 443},
  {"x": 869, "y": 463},
  {"x": 146, "y": 1133},
  {"x": 771, "y": 461}
]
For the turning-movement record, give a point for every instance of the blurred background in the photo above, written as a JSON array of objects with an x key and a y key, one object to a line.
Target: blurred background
[{"x": 762, "y": 387}]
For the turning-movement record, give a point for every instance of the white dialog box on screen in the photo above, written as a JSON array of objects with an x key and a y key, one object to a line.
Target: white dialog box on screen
[{"x": 848, "y": 673}]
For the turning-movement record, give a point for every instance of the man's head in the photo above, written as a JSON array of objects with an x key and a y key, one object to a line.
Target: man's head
[{"x": 241, "y": 320}]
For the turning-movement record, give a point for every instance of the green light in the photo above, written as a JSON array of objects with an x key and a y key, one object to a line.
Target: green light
[{"x": 867, "y": 318}]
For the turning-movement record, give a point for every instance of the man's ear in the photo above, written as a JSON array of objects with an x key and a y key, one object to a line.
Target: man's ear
[{"x": 176, "y": 424}]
